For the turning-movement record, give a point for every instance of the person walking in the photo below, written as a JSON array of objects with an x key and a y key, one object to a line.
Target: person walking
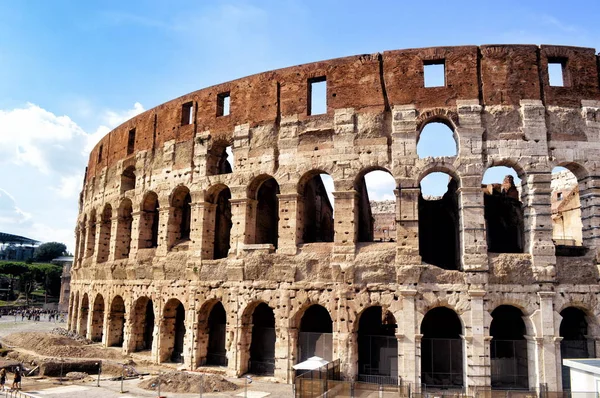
[
  {"x": 2, "y": 379},
  {"x": 17, "y": 380}
]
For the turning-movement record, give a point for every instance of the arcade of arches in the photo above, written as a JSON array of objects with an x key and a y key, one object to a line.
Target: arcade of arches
[{"x": 383, "y": 342}]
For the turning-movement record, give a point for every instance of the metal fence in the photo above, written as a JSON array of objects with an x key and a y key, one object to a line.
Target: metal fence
[
  {"x": 509, "y": 364},
  {"x": 378, "y": 359},
  {"x": 312, "y": 344}
]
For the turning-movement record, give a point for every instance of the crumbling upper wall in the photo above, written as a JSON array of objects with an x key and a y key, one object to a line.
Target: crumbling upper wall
[{"x": 370, "y": 84}]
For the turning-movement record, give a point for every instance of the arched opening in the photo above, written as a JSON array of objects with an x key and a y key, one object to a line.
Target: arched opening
[
  {"x": 575, "y": 342},
  {"x": 216, "y": 353},
  {"x": 435, "y": 140},
  {"x": 315, "y": 336},
  {"x": 503, "y": 210},
  {"x": 439, "y": 220},
  {"x": 98, "y": 319},
  {"x": 316, "y": 206},
  {"x": 105, "y": 227},
  {"x": 376, "y": 207},
  {"x": 116, "y": 323},
  {"x": 82, "y": 240},
  {"x": 128, "y": 179},
  {"x": 377, "y": 347},
  {"x": 149, "y": 221},
  {"x": 181, "y": 216},
  {"x": 84, "y": 314},
  {"x": 124, "y": 222},
  {"x": 222, "y": 226},
  {"x": 508, "y": 349},
  {"x": 267, "y": 212},
  {"x": 143, "y": 325},
  {"x": 262, "y": 346},
  {"x": 442, "y": 349},
  {"x": 219, "y": 159},
  {"x": 173, "y": 332},
  {"x": 567, "y": 225},
  {"x": 91, "y": 236}
]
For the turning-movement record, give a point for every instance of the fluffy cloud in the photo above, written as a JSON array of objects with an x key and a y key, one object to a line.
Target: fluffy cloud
[{"x": 42, "y": 158}]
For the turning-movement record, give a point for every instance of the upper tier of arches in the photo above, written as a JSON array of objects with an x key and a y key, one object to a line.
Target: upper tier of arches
[{"x": 493, "y": 75}]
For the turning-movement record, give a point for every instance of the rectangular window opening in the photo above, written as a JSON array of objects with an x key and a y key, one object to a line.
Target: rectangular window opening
[
  {"x": 434, "y": 73},
  {"x": 317, "y": 96},
  {"x": 131, "y": 142},
  {"x": 557, "y": 72},
  {"x": 100, "y": 154},
  {"x": 223, "y": 104},
  {"x": 187, "y": 113}
]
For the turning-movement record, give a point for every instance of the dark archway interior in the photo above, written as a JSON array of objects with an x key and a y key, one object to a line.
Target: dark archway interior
[
  {"x": 151, "y": 218},
  {"x": 186, "y": 216},
  {"x": 98, "y": 319},
  {"x": 117, "y": 321},
  {"x": 441, "y": 349},
  {"x": 84, "y": 315},
  {"x": 504, "y": 217},
  {"x": 508, "y": 349},
  {"x": 128, "y": 179},
  {"x": 148, "y": 326},
  {"x": 315, "y": 334},
  {"x": 365, "y": 216},
  {"x": 318, "y": 212},
  {"x": 223, "y": 165},
  {"x": 177, "y": 355},
  {"x": 262, "y": 347},
  {"x": 222, "y": 224},
  {"x": 217, "y": 320},
  {"x": 377, "y": 344},
  {"x": 574, "y": 331},
  {"x": 267, "y": 212},
  {"x": 439, "y": 229}
]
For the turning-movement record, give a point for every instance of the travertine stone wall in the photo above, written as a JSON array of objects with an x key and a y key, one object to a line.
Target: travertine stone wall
[{"x": 497, "y": 100}]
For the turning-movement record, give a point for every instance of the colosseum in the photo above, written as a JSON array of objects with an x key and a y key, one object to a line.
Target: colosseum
[{"x": 206, "y": 237}]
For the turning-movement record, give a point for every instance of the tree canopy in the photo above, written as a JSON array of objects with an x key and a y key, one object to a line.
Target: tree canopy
[{"x": 49, "y": 251}]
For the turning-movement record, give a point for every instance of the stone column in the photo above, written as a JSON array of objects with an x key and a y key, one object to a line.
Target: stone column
[
  {"x": 549, "y": 368},
  {"x": 477, "y": 350},
  {"x": 290, "y": 227},
  {"x": 189, "y": 342},
  {"x": 136, "y": 225},
  {"x": 589, "y": 197},
  {"x": 196, "y": 227},
  {"x": 538, "y": 226},
  {"x": 472, "y": 225},
  {"x": 345, "y": 224},
  {"x": 206, "y": 212},
  {"x": 114, "y": 238},
  {"x": 409, "y": 345},
  {"x": 407, "y": 223},
  {"x": 164, "y": 229},
  {"x": 243, "y": 210}
]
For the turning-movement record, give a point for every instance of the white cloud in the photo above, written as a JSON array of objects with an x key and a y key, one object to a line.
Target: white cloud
[
  {"x": 380, "y": 185},
  {"x": 42, "y": 158}
]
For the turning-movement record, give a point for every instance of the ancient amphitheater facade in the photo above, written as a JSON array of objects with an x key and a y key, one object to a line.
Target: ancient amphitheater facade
[{"x": 248, "y": 266}]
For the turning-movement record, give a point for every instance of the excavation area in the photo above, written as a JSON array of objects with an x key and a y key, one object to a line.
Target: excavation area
[{"x": 54, "y": 361}]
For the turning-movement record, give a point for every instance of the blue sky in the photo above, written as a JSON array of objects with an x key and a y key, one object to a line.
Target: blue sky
[{"x": 72, "y": 71}]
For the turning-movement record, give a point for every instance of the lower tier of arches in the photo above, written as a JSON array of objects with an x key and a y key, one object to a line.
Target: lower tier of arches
[{"x": 447, "y": 336}]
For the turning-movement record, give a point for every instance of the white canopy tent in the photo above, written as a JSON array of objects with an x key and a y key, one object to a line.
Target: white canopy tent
[{"x": 311, "y": 363}]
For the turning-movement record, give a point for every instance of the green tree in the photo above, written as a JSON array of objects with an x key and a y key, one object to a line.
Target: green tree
[
  {"x": 14, "y": 271},
  {"x": 49, "y": 251}
]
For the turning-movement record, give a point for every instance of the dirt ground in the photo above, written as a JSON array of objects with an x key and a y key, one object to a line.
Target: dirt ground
[{"x": 182, "y": 382}]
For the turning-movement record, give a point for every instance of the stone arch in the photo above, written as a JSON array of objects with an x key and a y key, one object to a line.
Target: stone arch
[
  {"x": 508, "y": 349},
  {"x": 104, "y": 237},
  {"x": 218, "y": 228},
  {"x": 373, "y": 226},
  {"x": 504, "y": 212},
  {"x": 172, "y": 332},
  {"x": 217, "y": 159},
  {"x": 444, "y": 116},
  {"x": 212, "y": 334},
  {"x": 180, "y": 216},
  {"x": 149, "y": 221},
  {"x": 91, "y": 236},
  {"x": 439, "y": 225},
  {"x": 83, "y": 315},
  {"x": 264, "y": 222},
  {"x": 377, "y": 345},
  {"x": 442, "y": 362},
  {"x": 142, "y": 320},
  {"x": 425, "y": 135},
  {"x": 128, "y": 179},
  {"x": 97, "y": 327},
  {"x": 571, "y": 208},
  {"x": 577, "y": 341},
  {"x": 315, "y": 333},
  {"x": 116, "y": 326},
  {"x": 258, "y": 339},
  {"x": 315, "y": 209},
  {"x": 124, "y": 224}
]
